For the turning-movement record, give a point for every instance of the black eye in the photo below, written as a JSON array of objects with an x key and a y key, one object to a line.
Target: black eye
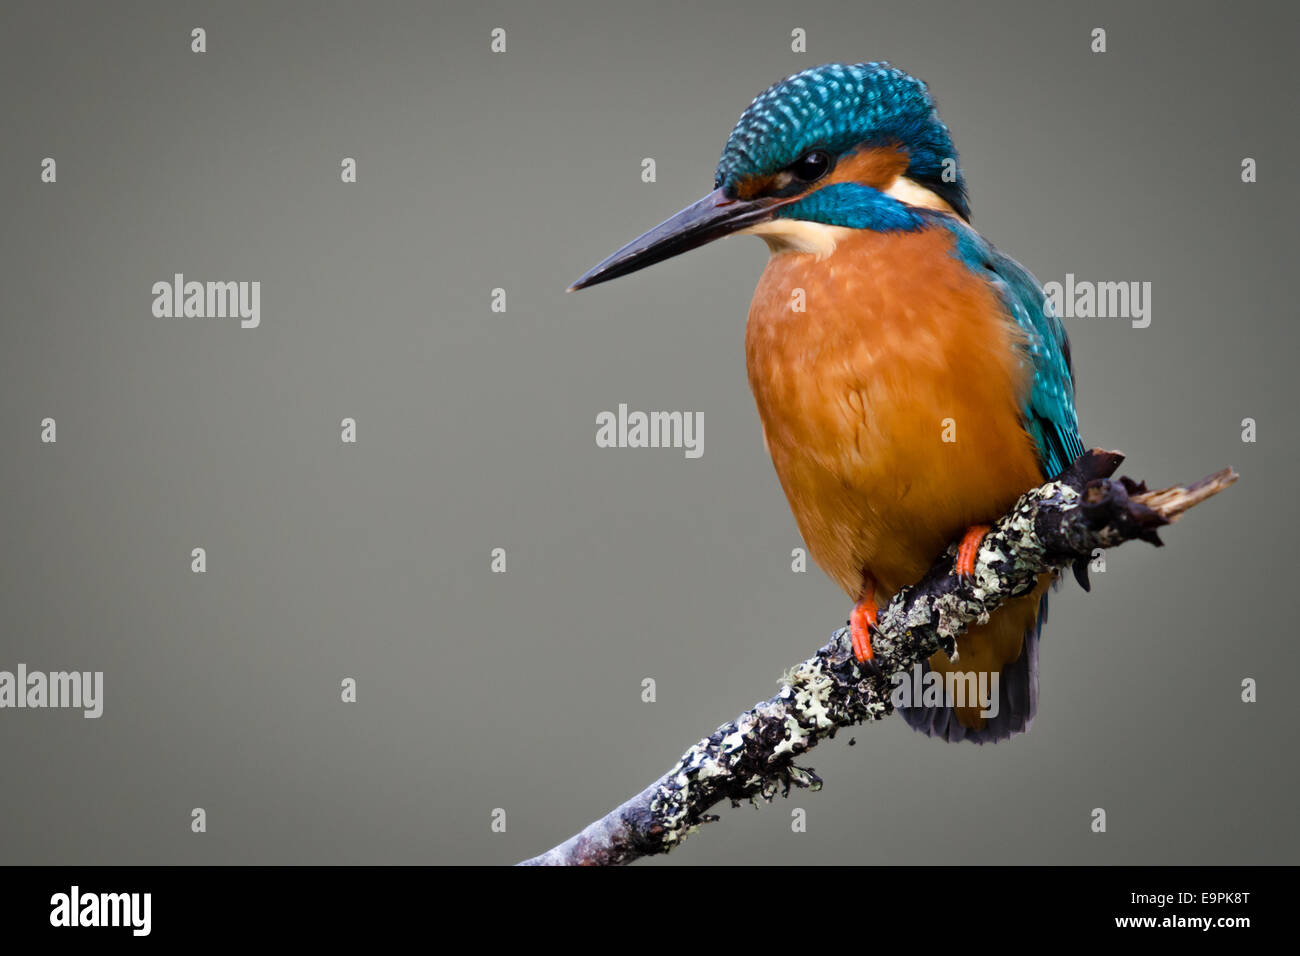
[{"x": 812, "y": 165}]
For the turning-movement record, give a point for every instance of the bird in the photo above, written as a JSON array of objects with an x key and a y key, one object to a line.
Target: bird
[{"x": 912, "y": 381}]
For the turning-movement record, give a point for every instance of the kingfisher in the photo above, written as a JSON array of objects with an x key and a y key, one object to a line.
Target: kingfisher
[{"x": 911, "y": 380}]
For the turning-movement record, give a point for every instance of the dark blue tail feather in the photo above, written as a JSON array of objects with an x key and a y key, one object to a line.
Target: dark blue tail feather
[{"x": 1017, "y": 699}]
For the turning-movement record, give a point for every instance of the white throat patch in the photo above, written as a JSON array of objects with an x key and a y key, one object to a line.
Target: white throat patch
[{"x": 797, "y": 235}]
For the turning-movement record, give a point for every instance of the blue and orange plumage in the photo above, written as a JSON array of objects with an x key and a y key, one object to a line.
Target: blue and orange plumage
[{"x": 913, "y": 331}]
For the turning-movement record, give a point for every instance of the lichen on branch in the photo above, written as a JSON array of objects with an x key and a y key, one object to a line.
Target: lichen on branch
[{"x": 1055, "y": 526}]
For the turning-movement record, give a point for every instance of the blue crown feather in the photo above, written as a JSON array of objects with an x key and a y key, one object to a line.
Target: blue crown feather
[{"x": 836, "y": 107}]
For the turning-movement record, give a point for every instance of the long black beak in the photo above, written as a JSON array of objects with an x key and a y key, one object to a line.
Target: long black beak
[{"x": 710, "y": 218}]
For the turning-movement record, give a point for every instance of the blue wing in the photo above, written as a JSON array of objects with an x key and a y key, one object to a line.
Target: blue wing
[
  {"x": 1049, "y": 409},
  {"x": 1050, "y": 419}
]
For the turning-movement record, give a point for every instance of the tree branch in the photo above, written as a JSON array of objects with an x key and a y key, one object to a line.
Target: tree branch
[{"x": 1056, "y": 525}]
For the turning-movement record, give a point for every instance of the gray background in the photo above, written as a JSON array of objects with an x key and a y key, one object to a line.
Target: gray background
[{"x": 476, "y": 430}]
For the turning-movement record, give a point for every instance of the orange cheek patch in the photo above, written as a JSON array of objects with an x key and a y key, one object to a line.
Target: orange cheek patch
[
  {"x": 753, "y": 186},
  {"x": 877, "y": 166}
]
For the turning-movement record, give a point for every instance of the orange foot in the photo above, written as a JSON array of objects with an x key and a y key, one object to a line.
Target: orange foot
[
  {"x": 861, "y": 623},
  {"x": 970, "y": 549}
]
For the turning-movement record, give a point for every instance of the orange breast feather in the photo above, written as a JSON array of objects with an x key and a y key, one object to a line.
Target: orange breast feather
[{"x": 890, "y": 406}]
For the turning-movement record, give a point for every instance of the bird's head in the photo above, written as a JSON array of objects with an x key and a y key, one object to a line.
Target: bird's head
[{"x": 851, "y": 146}]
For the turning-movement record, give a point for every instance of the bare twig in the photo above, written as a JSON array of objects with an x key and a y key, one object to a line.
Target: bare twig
[{"x": 1049, "y": 528}]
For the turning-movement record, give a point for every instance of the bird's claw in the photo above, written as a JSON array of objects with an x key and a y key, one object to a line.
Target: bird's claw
[
  {"x": 861, "y": 623},
  {"x": 968, "y": 551}
]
